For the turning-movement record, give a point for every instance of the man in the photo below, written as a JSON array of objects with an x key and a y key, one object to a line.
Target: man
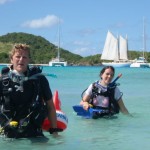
[{"x": 25, "y": 93}]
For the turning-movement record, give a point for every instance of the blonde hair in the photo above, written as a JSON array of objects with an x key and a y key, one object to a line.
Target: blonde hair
[{"x": 19, "y": 47}]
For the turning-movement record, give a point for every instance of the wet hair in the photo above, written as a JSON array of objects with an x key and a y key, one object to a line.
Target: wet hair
[
  {"x": 19, "y": 47},
  {"x": 107, "y": 67}
]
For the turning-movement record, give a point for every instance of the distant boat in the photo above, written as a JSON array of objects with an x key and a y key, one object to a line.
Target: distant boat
[
  {"x": 58, "y": 62},
  {"x": 141, "y": 62},
  {"x": 115, "y": 50}
]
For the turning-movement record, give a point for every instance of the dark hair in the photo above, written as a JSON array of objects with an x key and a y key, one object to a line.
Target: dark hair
[{"x": 107, "y": 67}]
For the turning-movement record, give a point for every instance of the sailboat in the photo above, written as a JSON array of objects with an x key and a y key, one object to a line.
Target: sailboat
[
  {"x": 115, "y": 50},
  {"x": 57, "y": 62},
  {"x": 141, "y": 62}
]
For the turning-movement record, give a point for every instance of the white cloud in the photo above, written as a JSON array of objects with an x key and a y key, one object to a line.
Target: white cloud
[
  {"x": 85, "y": 51},
  {"x": 48, "y": 21},
  {"x": 81, "y": 43},
  {"x": 83, "y": 48},
  {"x": 4, "y": 1}
]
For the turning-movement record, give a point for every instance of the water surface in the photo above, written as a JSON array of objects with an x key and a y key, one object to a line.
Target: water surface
[{"x": 123, "y": 133}]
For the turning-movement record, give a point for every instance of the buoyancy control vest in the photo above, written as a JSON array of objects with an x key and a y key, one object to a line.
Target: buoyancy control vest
[
  {"x": 30, "y": 114},
  {"x": 97, "y": 90}
]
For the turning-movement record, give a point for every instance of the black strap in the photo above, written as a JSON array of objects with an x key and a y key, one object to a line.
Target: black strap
[{"x": 52, "y": 130}]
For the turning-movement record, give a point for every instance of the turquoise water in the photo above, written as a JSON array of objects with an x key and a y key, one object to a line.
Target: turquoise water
[{"x": 123, "y": 133}]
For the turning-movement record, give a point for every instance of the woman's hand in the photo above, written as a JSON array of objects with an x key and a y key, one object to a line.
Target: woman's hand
[
  {"x": 84, "y": 102},
  {"x": 86, "y": 105}
]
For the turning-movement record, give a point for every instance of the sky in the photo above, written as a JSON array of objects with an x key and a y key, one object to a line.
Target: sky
[{"x": 83, "y": 23}]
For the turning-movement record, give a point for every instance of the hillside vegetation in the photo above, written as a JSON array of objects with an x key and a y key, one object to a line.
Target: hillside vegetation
[{"x": 42, "y": 51}]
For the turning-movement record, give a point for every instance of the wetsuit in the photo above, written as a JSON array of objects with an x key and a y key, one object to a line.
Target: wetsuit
[{"x": 29, "y": 100}]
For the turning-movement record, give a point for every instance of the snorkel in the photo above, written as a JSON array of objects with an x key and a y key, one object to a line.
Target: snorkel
[{"x": 113, "y": 83}]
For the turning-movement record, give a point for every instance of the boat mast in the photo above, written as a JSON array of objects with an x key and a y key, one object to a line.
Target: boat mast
[
  {"x": 127, "y": 46},
  {"x": 144, "y": 38},
  {"x": 58, "y": 53},
  {"x": 118, "y": 47}
]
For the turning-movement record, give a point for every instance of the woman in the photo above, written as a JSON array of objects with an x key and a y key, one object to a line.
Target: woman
[{"x": 103, "y": 96}]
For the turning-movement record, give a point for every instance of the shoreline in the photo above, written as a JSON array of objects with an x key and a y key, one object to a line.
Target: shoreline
[
  {"x": 8, "y": 64},
  {"x": 5, "y": 64}
]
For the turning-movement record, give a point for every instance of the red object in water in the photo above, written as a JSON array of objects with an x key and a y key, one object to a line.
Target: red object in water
[
  {"x": 56, "y": 101},
  {"x": 62, "y": 119}
]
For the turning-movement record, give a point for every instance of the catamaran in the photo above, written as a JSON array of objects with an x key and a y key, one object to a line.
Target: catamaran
[
  {"x": 57, "y": 62},
  {"x": 141, "y": 62}
]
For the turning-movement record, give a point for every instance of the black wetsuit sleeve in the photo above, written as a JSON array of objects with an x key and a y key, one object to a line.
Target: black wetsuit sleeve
[
  {"x": 45, "y": 88},
  {"x": 1, "y": 88}
]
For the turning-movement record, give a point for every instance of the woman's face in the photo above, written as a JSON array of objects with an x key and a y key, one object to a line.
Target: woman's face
[
  {"x": 20, "y": 61},
  {"x": 107, "y": 76}
]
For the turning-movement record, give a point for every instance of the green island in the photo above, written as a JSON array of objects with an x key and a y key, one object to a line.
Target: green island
[{"x": 42, "y": 51}]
